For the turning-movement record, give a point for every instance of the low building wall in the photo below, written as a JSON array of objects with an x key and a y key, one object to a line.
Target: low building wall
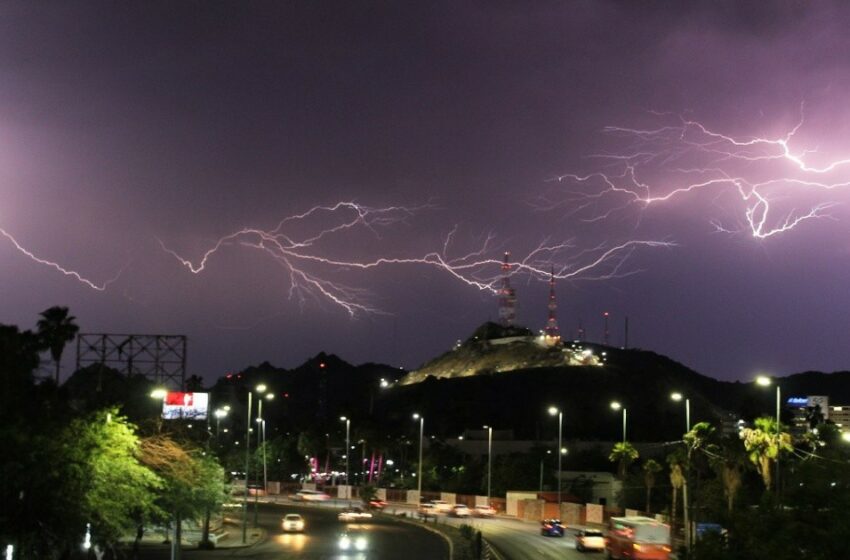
[{"x": 595, "y": 513}]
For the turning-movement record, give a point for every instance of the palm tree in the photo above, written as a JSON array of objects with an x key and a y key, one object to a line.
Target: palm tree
[
  {"x": 623, "y": 453},
  {"x": 677, "y": 480},
  {"x": 729, "y": 461},
  {"x": 764, "y": 443},
  {"x": 56, "y": 328},
  {"x": 650, "y": 469}
]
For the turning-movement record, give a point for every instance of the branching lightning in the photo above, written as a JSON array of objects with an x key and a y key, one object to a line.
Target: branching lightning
[
  {"x": 688, "y": 156},
  {"x": 310, "y": 270},
  {"x": 67, "y": 272}
]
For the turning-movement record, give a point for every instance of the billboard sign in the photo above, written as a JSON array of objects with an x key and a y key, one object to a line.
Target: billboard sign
[{"x": 190, "y": 406}]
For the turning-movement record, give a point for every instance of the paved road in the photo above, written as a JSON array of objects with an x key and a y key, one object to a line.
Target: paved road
[
  {"x": 519, "y": 540},
  {"x": 319, "y": 541}
]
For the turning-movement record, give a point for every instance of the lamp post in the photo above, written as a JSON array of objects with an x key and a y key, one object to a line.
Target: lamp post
[
  {"x": 489, "y": 458},
  {"x": 260, "y": 390},
  {"x": 765, "y": 381},
  {"x": 417, "y": 416},
  {"x": 678, "y": 397},
  {"x": 347, "y": 448},
  {"x": 617, "y": 406},
  {"x": 219, "y": 414},
  {"x": 553, "y": 411},
  {"x": 262, "y": 421}
]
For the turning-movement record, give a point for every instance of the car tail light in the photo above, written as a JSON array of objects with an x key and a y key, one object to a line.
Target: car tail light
[{"x": 637, "y": 547}]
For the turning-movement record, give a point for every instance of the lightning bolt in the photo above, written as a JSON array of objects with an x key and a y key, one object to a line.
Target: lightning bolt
[
  {"x": 56, "y": 266},
  {"x": 307, "y": 265},
  {"x": 688, "y": 157}
]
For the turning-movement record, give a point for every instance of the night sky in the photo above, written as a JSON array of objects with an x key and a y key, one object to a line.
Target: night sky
[{"x": 456, "y": 129}]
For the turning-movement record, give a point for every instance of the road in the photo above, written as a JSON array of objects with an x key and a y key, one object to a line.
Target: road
[
  {"x": 319, "y": 541},
  {"x": 518, "y": 540}
]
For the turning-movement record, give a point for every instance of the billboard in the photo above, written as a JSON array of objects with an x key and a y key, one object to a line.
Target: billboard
[{"x": 191, "y": 406}]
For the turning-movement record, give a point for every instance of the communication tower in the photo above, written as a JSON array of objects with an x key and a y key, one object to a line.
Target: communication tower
[
  {"x": 553, "y": 333},
  {"x": 507, "y": 295}
]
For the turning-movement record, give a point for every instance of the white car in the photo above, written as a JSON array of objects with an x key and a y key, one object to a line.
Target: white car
[
  {"x": 484, "y": 511},
  {"x": 292, "y": 522},
  {"x": 460, "y": 510},
  {"x": 353, "y": 541},
  {"x": 441, "y": 506},
  {"x": 354, "y": 514},
  {"x": 589, "y": 539}
]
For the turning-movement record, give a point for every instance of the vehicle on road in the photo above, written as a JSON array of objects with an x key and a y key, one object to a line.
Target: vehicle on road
[
  {"x": 377, "y": 505},
  {"x": 310, "y": 496},
  {"x": 427, "y": 510},
  {"x": 483, "y": 511},
  {"x": 353, "y": 541},
  {"x": 460, "y": 510},
  {"x": 551, "y": 528},
  {"x": 589, "y": 539},
  {"x": 354, "y": 514},
  {"x": 441, "y": 506},
  {"x": 640, "y": 538},
  {"x": 292, "y": 522}
]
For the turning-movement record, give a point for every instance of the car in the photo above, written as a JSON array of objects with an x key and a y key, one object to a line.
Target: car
[
  {"x": 460, "y": 510},
  {"x": 292, "y": 522},
  {"x": 483, "y": 511},
  {"x": 310, "y": 496},
  {"x": 353, "y": 541},
  {"x": 589, "y": 539},
  {"x": 427, "y": 510},
  {"x": 377, "y": 505},
  {"x": 354, "y": 514},
  {"x": 441, "y": 506},
  {"x": 551, "y": 528}
]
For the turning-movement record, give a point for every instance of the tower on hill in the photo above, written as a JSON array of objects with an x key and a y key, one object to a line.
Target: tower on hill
[
  {"x": 507, "y": 295},
  {"x": 552, "y": 334}
]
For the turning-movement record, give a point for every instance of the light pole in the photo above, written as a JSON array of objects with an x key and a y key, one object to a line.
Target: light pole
[
  {"x": 347, "y": 449},
  {"x": 261, "y": 419},
  {"x": 685, "y": 509},
  {"x": 417, "y": 416},
  {"x": 489, "y": 458},
  {"x": 219, "y": 414},
  {"x": 617, "y": 406},
  {"x": 765, "y": 381},
  {"x": 553, "y": 411},
  {"x": 260, "y": 390}
]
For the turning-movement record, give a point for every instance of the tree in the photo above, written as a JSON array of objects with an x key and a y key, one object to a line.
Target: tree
[
  {"x": 729, "y": 462},
  {"x": 764, "y": 443},
  {"x": 117, "y": 491},
  {"x": 624, "y": 454},
  {"x": 56, "y": 328},
  {"x": 650, "y": 469},
  {"x": 676, "y": 460}
]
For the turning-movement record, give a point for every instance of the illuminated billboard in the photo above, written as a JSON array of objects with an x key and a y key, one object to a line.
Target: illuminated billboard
[{"x": 190, "y": 406}]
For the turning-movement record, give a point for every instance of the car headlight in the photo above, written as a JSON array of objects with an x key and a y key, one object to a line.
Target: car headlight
[
  {"x": 360, "y": 543},
  {"x": 345, "y": 543}
]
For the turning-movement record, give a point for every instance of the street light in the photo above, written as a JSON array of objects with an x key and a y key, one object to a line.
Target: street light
[
  {"x": 617, "y": 406},
  {"x": 421, "y": 419},
  {"x": 489, "y": 458},
  {"x": 678, "y": 397},
  {"x": 219, "y": 414},
  {"x": 765, "y": 381},
  {"x": 260, "y": 390},
  {"x": 159, "y": 393},
  {"x": 552, "y": 412},
  {"x": 347, "y": 446}
]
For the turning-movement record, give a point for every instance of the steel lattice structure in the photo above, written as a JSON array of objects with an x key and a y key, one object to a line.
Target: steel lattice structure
[{"x": 159, "y": 357}]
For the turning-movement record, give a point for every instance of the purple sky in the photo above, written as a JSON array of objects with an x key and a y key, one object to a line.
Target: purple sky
[{"x": 187, "y": 121}]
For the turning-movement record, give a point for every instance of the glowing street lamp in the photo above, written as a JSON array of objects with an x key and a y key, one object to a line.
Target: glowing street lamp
[
  {"x": 421, "y": 419},
  {"x": 347, "y": 446},
  {"x": 219, "y": 414},
  {"x": 617, "y": 406},
  {"x": 260, "y": 389},
  {"x": 552, "y": 412},
  {"x": 159, "y": 393}
]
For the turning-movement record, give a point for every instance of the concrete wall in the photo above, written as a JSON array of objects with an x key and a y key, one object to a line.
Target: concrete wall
[
  {"x": 381, "y": 494},
  {"x": 273, "y": 487},
  {"x": 531, "y": 509},
  {"x": 413, "y": 497},
  {"x": 571, "y": 514},
  {"x": 343, "y": 492},
  {"x": 481, "y": 501},
  {"x": 448, "y": 497},
  {"x": 595, "y": 513},
  {"x": 632, "y": 512},
  {"x": 511, "y": 500}
]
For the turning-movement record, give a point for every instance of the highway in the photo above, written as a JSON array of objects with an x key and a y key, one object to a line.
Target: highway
[{"x": 388, "y": 540}]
